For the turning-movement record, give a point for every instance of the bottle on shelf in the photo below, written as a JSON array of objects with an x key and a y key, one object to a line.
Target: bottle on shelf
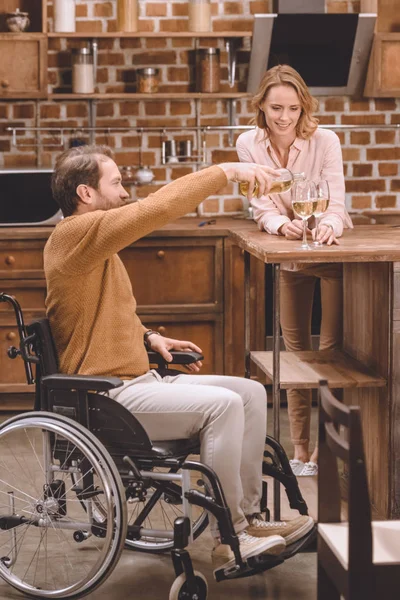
[
  {"x": 64, "y": 16},
  {"x": 82, "y": 71},
  {"x": 209, "y": 70},
  {"x": 283, "y": 182},
  {"x": 127, "y": 15},
  {"x": 199, "y": 15}
]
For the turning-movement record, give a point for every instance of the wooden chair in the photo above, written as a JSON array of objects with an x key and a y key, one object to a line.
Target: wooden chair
[{"x": 358, "y": 559}]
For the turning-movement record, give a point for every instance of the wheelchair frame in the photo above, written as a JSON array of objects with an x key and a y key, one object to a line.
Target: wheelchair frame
[{"x": 115, "y": 450}]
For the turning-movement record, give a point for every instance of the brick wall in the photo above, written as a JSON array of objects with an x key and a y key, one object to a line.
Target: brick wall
[{"x": 371, "y": 155}]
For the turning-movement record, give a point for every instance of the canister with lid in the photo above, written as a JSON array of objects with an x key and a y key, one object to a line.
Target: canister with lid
[
  {"x": 199, "y": 15},
  {"x": 209, "y": 70},
  {"x": 82, "y": 71},
  {"x": 148, "y": 79}
]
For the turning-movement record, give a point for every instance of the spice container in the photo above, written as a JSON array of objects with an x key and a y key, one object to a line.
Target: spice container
[
  {"x": 127, "y": 15},
  {"x": 82, "y": 71},
  {"x": 64, "y": 15},
  {"x": 199, "y": 15},
  {"x": 148, "y": 80},
  {"x": 209, "y": 70}
]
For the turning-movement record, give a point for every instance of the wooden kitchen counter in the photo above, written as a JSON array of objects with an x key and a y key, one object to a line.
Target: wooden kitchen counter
[{"x": 368, "y": 365}]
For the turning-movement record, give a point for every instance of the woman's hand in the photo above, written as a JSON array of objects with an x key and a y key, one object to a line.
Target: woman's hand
[
  {"x": 163, "y": 345},
  {"x": 293, "y": 230},
  {"x": 326, "y": 235},
  {"x": 252, "y": 173}
]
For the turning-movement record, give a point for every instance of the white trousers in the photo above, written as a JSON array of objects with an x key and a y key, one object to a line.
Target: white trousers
[{"x": 230, "y": 415}]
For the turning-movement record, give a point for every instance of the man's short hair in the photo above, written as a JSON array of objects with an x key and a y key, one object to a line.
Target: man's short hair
[{"x": 78, "y": 165}]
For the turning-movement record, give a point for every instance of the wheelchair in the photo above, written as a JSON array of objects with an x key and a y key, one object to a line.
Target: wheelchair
[{"x": 80, "y": 481}]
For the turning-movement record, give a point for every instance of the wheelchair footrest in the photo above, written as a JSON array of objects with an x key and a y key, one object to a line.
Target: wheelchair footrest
[
  {"x": 304, "y": 544},
  {"x": 252, "y": 566}
]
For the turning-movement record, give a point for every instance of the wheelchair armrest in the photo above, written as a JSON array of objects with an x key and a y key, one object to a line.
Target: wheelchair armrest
[
  {"x": 178, "y": 358},
  {"x": 58, "y": 381}
]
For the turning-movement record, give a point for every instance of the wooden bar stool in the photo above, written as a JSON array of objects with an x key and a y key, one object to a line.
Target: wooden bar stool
[{"x": 358, "y": 559}]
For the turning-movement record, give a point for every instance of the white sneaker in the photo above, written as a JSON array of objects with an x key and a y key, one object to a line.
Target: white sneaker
[
  {"x": 296, "y": 465},
  {"x": 310, "y": 469},
  {"x": 222, "y": 554}
]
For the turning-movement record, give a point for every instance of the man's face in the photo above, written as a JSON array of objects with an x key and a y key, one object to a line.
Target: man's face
[{"x": 110, "y": 194}]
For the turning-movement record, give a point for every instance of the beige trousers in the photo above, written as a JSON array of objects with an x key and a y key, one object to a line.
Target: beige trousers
[
  {"x": 296, "y": 300},
  {"x": 230, "y": 415}
]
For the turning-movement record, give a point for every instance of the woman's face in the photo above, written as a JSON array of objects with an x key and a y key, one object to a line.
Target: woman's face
[{"x": 282, "y": 111}]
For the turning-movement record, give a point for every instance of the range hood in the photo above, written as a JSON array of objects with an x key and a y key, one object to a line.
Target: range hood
[{"x": 330, "y": 51}]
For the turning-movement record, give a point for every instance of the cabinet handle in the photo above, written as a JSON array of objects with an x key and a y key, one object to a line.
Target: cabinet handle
[
  {"x": 11, "y": 336},
  {"x": 5, "y": 83},
  {"x": 10, "y": 260},
  {"x": 160, "y": 254},
  {"x": 162, "y": 330}
]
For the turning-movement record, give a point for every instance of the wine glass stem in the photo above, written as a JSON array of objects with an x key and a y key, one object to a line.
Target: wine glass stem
[
  {"x": 305, "y": 244},
  {"x": 316, "y": 228}
]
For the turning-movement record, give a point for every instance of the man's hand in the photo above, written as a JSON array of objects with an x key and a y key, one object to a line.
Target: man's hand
[
  {"x": 162, "y": 345},
  {"x": 252, "y": 173},
  {"x": 293, "y": 230},
  {"x": 326, "y": 235}
]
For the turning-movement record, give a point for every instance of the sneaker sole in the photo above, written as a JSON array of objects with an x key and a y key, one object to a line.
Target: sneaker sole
[
  {"x": 274, "y": 545},
  {"x": 301, "y": 532}
]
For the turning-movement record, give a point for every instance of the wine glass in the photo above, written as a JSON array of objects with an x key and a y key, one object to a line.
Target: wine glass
[
  {"x": 323, "y": 197},
  {"x": 304, "y": 203}
]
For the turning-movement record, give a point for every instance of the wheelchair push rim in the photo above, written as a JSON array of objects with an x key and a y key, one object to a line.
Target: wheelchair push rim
[{"x": 49, "y": 546}]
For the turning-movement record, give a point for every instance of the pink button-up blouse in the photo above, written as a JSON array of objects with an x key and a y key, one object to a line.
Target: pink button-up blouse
[{"x": 319, "y": 157}]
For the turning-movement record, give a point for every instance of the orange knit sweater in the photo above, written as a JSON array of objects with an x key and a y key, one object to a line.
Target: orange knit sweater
[{"x": 90, "y": 303}]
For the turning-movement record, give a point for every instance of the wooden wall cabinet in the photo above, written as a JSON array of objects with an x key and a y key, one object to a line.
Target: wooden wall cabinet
[
  {"x": 188, "y": 283},
  {"x": 383, "y": 79}
]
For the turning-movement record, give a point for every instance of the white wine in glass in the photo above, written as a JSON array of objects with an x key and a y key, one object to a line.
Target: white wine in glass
[
  {"x": 304, "y": 203},
  {"x": 323, "y": 197}
]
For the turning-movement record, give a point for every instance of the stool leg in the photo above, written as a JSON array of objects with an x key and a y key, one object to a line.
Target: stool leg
[{"x": 326, "y": 589}]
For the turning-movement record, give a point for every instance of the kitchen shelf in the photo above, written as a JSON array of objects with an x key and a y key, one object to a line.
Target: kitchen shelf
[
  {"x": 153, "y": 34},
  {"x": 158, "y": 96},
  {"x": 304, "y": 370}
]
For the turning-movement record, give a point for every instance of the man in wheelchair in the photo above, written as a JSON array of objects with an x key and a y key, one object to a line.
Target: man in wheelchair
[{"x": 92, "y": 313}]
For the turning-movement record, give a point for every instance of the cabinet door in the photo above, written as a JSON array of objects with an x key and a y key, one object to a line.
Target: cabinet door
[
  {"x": 23, "y": 65},
  {"x": 176, "y": 274},
  {"x": 203, "y": 330}
]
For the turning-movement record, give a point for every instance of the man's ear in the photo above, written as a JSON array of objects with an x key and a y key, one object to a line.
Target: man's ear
[{"x": 84, "y": 192}]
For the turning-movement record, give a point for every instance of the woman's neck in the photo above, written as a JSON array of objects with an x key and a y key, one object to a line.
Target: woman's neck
[{"x": 281, "y": 147}]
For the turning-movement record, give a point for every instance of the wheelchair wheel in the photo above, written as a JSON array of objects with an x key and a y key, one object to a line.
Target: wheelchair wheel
[
  {"x": 158, "y": 511},
  {"x": 179, "y": 589},
  {"x": 50, "y": 546}
]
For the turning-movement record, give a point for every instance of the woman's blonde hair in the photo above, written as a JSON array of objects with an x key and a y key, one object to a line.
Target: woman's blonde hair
[{"x": 286, "y": 75}]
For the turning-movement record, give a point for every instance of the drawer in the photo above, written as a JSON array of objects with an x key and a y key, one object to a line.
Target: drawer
[
  {"x": 11, "y": 371},
  {"x": 31, "y": 295},
  {"x": 22, "y": 260},
  {"x": 176, "y": 272},
  {"x": 203, "y": 330}
]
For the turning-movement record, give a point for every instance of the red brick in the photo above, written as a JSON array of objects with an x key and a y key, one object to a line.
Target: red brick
[
  {"x": 178, "y": 74},
  {"x": 132, "y": 158},
  {"x": 365, "y": 185},
  {"x": 131, "y": 141},
  {"x": 180, "y": 9},
  {"x": 233, "y": 25},
  {"x": 232, "y": 8},
  {"x": 155, "y": 58},
  {"x": 4, "y": 112},
  {"x": 180, "y": 171},
  {"x": 325, "y": 119},
  {"x": 385, "y": 201},
  {"x": 105, "y": 9},
  {"x": 54, "y": 44},
  {"x": 20, "y": 160},
  {"x": 77, "y": 109},
  {"x": 115, "y": 123},
  {"x": 334, "y": 105},
  {"x": 107, "y": 44},
  {"x": 143, "y": 191},
  {"x": 171, "y": 25},
  {"x": 111, "y": 58},
  {"x": 233, "y": 205},
  {"x": 363, "y": 170},
  {"x": 385, "y": 104},
  {"x": 156, "y": 43},
  {"x": 385, "y": 136},
  {"x": 360, "y": 137},
  {"x": 383, "y": 154},
  {"x": 369, "y": 119},
  {"x": 387, "y": 169},
  {"x": 211, "y": 206},
  {"x": 23, "y": 111},
  {"x": 5, "y": 145},
  {"x": 102, "y": 75},
  {"x": 88, "y": 26},
  {"x": 360, "y": 105},
  {"x": 359, "y": 202},
  {"x": 155, "y": 9},
  {"x": 127, "y": 109},
  {"x": 395, "y": 185},
  {"x": 180, "y": 108},
  {"x": 352, "y": 154},
  {"x": 105, "y": 109},
  {"x": 127, "y": 43},
  {"x": 155, "y": 108},
  {"x": 220, "y": 156},
  {"x": 336, "y": 7},
  {"x": 50, "y": 111},
  {"x": 81, "y": 10},
  {"x": 259, "y": 6},
  {"x": 60, "y": 60}
]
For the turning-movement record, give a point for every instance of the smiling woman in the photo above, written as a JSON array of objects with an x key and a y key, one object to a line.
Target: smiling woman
[{"x": 287, "y": 135}]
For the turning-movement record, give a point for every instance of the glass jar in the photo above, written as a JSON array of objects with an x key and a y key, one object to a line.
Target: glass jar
[
  {"x": 199, "y": 15},
  {"x": 148, "y": 80},
  {"x": 209, "y": 70},
  {"x": 82, "y": 71},
  {"x": 127, "y": 15}
]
